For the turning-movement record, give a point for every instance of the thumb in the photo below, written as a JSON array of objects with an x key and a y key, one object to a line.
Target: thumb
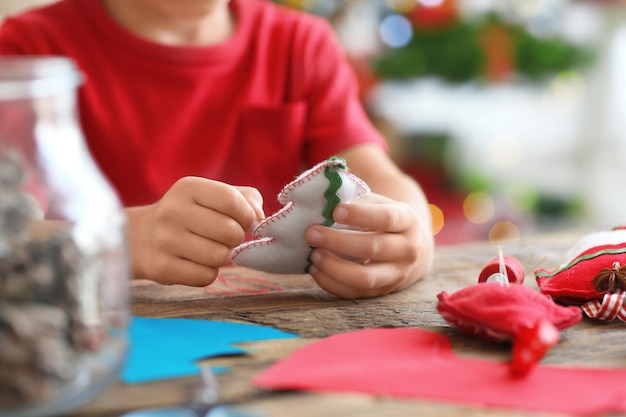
[{"x": 255, "y": 199}]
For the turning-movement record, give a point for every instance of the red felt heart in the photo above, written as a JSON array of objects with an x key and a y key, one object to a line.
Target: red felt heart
[
  {"x": 572, "y": 283},
  {"x": 413, "y": 363}
]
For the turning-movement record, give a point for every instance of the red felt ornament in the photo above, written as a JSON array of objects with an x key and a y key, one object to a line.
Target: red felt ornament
[
  {"x": 432, "y": 15},
  {"x": 593, "y": 278},
  {"x": 531, "y": 344},
  {"x": 495, "y": 310}
]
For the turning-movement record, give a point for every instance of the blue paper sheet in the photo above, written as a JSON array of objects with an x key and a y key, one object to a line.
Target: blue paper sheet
[{"x": 164, "y": 348}]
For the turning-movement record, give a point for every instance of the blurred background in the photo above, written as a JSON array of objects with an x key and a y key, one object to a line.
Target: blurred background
[{"x": 510, "y": 113}]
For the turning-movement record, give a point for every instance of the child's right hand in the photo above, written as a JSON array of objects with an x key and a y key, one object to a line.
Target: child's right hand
[{"x": 185, "y": 237}]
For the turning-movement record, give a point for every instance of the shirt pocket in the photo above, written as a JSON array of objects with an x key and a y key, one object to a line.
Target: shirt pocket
[{"x": 269, "y": 145}]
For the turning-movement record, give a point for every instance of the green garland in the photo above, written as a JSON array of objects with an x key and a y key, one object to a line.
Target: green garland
[{"x": 454, "y": 53}]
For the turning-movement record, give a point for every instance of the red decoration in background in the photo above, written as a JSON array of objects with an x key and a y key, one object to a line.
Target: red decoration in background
[
  {"x": 365, "y": 76},
  {"x": 497, "y": 44},
  {"x": 456, "y": 228},
  {"x": 437, "y": 16}
]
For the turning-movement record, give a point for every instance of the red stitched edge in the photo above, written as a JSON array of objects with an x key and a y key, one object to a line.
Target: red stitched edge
[
  {"x": 254, "y": 243},
  {"x": 274, "y": 217},
  {"x": 307, "y": 177}
]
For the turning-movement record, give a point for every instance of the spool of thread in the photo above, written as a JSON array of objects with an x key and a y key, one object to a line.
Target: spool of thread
[{"x": 514, "y": 269}]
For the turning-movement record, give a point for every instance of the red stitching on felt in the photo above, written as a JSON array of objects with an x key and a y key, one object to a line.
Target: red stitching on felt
[
  {"x": 253, "y": 243},
  {"x": 299, "y": 181},
  {"x": 296, "y": 183},
  {"x": 281, "y": 214},
  {"x": 359, "y": 181}
]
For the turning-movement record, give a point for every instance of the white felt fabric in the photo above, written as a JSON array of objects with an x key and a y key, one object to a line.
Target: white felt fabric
[
  {"x": 605, "y": 237},
  {"x": 281, "y": 247}
]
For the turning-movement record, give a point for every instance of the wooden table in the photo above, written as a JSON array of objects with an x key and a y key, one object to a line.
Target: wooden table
[{"x": 303, "y": 308}]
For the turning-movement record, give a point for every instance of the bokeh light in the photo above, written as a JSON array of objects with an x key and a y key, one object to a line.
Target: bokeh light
[
  {"x": 401, "y": 6},
  {"x": 438, "y": 220},
  {"x": 504, "y": 231},
  {"x": 522, "y": 196},
  {"x": 431, "y": 3},
  {"x": 478, "y": 207},
  {"x": 396, "y": 31},
  {"x": 568, "y": 85},
  {"x": 505, "y": 151},
  {"x": 528, "y": 9}
]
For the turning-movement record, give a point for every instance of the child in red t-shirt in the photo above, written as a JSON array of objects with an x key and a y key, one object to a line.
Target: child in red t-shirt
[{"x": 184, "y": 98}]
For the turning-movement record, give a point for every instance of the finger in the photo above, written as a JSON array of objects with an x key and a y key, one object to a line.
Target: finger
[
  {"x": 358, "y": 244},
  {"x": 213, "y": 225},
  {"x": 335, "y": 287},
  {"x": 255, "y": 199},
  {"x": 182, "y": 271},
  {"x": 366, "y": 280},
  {"x": 341, "y": 289},
  {"x": 223, "y": 198},
  {"x": 202, "y": 251},
  {"x": 387, "y": 217}
]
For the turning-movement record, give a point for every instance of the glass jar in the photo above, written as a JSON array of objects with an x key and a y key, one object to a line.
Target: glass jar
[{"x": 64, "y": 265}]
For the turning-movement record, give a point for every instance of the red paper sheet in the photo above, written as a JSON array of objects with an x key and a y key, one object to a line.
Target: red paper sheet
[{"x": 413, "y": 363}]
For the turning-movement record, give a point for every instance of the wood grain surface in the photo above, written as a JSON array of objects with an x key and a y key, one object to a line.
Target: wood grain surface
[{"x": 295, "y": 304}]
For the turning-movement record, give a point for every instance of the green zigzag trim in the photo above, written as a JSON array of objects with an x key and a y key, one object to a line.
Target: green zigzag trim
[
  {"x": 332, "y": 199},
  {"x": 582, "y": 258}
]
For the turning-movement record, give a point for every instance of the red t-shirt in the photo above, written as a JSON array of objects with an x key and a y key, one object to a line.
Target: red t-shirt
[{"x": 275, "y": 98}]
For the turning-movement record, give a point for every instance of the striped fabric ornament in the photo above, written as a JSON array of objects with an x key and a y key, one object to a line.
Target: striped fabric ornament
[{"x": 611, "y": 307}]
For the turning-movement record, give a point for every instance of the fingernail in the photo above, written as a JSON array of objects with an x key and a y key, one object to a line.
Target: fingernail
[
  {"x": 316, "y": 257},
  {"x": 340, "y": 213},
  {"x": 252, "y": 227},
  {"x": 259, "y": 211},
  {"x": 314, "y": 238}
]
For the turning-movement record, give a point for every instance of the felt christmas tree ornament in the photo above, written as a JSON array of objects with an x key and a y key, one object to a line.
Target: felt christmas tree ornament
[
  {"x": 500, "y": 309},
  {"x": 594, "y": 277},
  {"x": 280, "y": 246}
]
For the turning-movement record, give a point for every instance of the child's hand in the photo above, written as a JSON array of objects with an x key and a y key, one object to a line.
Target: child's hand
[
  {"x": 185, "y": 237},
  {"x": 389, "y": 250}
]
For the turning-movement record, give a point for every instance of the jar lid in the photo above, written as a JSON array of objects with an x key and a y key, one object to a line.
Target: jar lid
[{"x": 36, "y": 76}]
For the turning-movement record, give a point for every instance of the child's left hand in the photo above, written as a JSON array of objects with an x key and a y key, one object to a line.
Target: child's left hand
[{"x": 388, "y": 251}]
